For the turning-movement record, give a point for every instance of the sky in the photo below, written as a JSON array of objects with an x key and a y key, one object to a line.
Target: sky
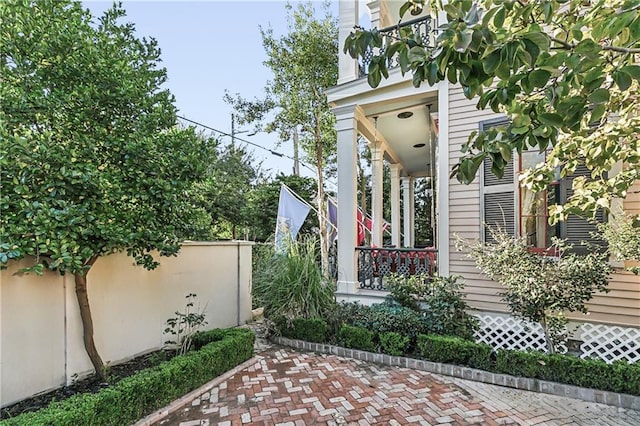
[{"x": 209, "y": 47}]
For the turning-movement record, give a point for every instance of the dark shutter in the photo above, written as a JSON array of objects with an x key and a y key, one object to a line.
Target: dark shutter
[
  {"x": 498, "y": 194},
  {"x": 492, "y": 180},
  {"x": 498, "y": 203},
  {"x": 576, "y": 229},
  {"x": 499, "y": 212}
]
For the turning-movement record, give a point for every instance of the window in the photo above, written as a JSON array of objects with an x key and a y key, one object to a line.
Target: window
[
  {"x": 534, "y": 207},
  {"x": 519, "y": 211}
]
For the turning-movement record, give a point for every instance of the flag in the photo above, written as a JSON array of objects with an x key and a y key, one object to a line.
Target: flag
[
  {"x": 291, "y": 215},
  {"x": 332, "y": 215},
  {"x": 361, "y": 226}
]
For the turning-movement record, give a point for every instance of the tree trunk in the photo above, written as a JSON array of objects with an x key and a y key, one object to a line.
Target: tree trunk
[
  {"x": 547, "y": 337},
  {"x": 87, "y": 321},
  {"x": 322, "y": 223}
]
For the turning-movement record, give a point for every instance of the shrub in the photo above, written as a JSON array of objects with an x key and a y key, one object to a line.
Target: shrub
[
  {"x": 309, "y": 329},
  {"x": 596, "y": 374},
  {"x": 386, "y": 318},
  {"x": 541, "y": 288},
  {"x": 393, "y": 343},
  {"x": 356, "y": 338},
  {"x": 439, "y": 299},
  {"x": 146, "y": 391},
  {"x": 291, "y": 285},
  {"x": 454, "y": 350}
]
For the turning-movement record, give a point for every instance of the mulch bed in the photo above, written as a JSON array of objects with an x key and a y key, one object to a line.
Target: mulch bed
[{"x": 91, "y": 384}]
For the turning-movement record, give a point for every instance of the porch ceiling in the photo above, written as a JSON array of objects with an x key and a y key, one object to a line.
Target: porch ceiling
[{"x": 405, "y": 135}]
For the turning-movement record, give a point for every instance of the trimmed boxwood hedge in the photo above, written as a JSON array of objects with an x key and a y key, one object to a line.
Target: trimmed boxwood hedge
[
  {"x": 148, "y": 390},
  {"x": 618, "y": 377},
  {"x": 309, "y": 329},
  {"x": 454, "y": 350}
]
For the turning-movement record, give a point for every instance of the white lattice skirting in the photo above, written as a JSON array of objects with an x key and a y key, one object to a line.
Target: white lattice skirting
[
  {"x": 609, "y": 343},
  {"x": 505, "y": 332}
]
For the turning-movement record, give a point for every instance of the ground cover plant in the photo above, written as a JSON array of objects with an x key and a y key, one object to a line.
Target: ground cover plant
[{"x": 133, "y": 397}]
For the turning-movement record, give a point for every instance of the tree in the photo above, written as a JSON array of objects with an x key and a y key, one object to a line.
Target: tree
[
  {"x": 541, "y": 288},
  {"x": 565, "y": 73},
  {"x": 225, "y": 192},
  {"x": 304, "y": 63},
  {"x": 91, "y": 159}
]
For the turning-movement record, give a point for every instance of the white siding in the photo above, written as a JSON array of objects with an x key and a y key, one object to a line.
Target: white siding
[{"x": 620, "y": 306}]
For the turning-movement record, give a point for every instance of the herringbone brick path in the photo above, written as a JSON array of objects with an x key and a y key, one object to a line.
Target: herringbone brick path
[{"x": 285, "y": 387}]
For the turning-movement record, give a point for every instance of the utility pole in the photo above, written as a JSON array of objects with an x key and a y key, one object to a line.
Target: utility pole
[
  {"x": 296, "y": 159},
  {"x": 233, "y": 132}
]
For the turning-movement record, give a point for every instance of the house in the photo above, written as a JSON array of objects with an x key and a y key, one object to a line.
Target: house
[{"x": 417, "y": 133}]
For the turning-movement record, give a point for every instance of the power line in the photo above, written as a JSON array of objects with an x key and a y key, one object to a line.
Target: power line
[{"x": 234, "y": 136}]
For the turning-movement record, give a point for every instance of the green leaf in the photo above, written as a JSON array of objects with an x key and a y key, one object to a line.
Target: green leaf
[
  {"x": 505, "y": 151},
  {"x": 551, "y": 119},
  {"x": 539, "y": 39},
  {"x": 632, "y": 70},
  {"x": 599, "y": 96},
  {"x": 587, "y": 47},
  {"x": 462, "y": 40},
  {"x": 491, "y": 62},
  {"x": 539, "y": 77},
  {"x": 622, "y": 79},
  {"x": 498, "y": 20},
  {"x": 418, "y": 54},
  {"x": 597, "y": 113}
]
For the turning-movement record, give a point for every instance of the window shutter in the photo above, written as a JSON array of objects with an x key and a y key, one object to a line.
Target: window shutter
[
  {"x": 498, "y": 195},
  {"x": 576, "y": 229},
  {"x": 498, "y": 202}
]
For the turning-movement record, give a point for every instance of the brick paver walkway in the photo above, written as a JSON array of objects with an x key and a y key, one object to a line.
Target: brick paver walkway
[{"x": 293, "y": 388}]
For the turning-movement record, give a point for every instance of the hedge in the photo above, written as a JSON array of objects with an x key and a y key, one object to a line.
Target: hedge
[
  {"x": 148, "y": 390},
  {"x": 309, "y": 329},
  {"x": 454, "y": 350},
  {"x": 618, "y": 377},
  {"x": 356, "y": 338}
]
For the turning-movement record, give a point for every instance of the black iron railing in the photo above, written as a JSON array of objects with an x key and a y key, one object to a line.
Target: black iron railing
[
  {"x": 376, "y": 263},
  {"x": 423, "y": 29}
]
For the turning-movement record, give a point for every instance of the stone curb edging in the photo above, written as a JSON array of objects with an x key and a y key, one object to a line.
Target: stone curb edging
[
  {"x": 179, "y": 403},
  {"x": 523, "y": 383}
]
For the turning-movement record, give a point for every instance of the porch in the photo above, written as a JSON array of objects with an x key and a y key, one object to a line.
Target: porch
[{"x": 400, "y": 127}]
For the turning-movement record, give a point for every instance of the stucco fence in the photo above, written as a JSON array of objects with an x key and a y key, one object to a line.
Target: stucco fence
[{"x": 41, "y": 333}]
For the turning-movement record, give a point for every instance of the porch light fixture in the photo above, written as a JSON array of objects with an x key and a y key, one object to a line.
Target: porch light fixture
[
  {"x": 405, "y": 114},
  {"x": 419, "y": 145}
]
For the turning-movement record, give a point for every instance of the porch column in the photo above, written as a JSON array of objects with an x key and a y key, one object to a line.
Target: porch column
[
  {"x": 408, "y": 210},
  {"x": 442, "y": 177},
  {"x": 347, "y": 147},
  {"x": 395, "y": 204},
  {"x": 376, "y": 192},
  {"x": 348, "y": 69}
]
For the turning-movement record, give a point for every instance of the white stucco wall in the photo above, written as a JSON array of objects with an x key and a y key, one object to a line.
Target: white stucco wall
[{"x": 41, "y": 334}]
